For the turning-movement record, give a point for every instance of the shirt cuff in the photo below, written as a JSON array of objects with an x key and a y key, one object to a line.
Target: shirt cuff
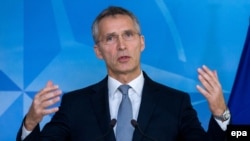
[
  {"x": 223, "y": 125},
  {"x": 25, "y": 133}
]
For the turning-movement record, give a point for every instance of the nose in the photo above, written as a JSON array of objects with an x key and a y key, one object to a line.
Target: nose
[{"x": 121, "y": 43}]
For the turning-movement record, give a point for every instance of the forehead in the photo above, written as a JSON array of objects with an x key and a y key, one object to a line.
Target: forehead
[{"x": 115, "y": 24}]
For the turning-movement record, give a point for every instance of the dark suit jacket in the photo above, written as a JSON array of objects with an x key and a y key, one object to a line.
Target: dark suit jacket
[{"x": 165, "y": 114}]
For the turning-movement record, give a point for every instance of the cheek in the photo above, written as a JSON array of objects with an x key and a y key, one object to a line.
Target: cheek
[
  {"x": 109, "y": 55},
  {"x": 139, "y": 49}
]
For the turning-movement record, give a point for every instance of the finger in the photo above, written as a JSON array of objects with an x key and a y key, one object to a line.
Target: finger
[
  {"x": 217, "y": 79},
  {"x": 42, "y": 95},
  {"x": 208, "y": 76},
  {"x": 208, "y": 71},
  {"x": 49, "y": 83},
  {"x": 50, "y": 111},
  {"x": 205, "y": 83},
  {"x": 39, "y": 109},
  {"x": 203, "y": 76},
  {"x": 50, "y": 102},
  {"x": 50, "y": 88},
  {"x": 50, "y": 95},
  {"x": 215, "y": 73},
  {"x": 203, "y": 91},
  {"x": 214, "y": 76}
]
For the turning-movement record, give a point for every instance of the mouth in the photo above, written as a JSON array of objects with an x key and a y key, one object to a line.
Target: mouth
[{"x": 123, "y": 59}]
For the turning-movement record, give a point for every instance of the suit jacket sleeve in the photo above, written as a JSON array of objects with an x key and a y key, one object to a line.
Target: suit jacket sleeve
[
  {"x": 83, "y": 116},
  {"x": 56, "y": 129},
  {"x": 166, "y": 114},
  {"x": 33, "y": 136},
  {"x": 191, "y": 129}
]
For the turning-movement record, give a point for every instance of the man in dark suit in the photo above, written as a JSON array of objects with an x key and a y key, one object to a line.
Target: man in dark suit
[{"x": 161, "y": 113}]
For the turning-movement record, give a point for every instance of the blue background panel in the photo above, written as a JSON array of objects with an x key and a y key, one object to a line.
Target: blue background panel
[{"x": 51, "y": 40}]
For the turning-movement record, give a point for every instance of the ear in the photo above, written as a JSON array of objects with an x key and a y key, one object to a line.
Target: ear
[
  {"x": 98, "y": 53},
  {"x": 142, "y": 43}
]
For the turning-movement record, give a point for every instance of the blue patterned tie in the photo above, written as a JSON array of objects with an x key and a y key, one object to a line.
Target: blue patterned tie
[{"x": 124, "y": 129}]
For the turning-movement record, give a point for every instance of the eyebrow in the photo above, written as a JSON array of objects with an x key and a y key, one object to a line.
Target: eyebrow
[{"x": 114, "y": 33}]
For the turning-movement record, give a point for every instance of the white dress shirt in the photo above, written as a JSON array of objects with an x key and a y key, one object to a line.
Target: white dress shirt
[{"x": 134, "y": 93}]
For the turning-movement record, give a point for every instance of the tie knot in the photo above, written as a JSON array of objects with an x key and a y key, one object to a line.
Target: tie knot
[{"x": 124, "y": 89}]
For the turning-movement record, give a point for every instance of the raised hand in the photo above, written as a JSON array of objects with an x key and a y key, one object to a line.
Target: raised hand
[
  {"x": 39, "y": 108},
  {"x": 211, "y": 90}
]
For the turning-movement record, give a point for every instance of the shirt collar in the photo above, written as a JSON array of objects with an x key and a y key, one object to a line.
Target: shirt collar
[{"x": 136, "y": 85}]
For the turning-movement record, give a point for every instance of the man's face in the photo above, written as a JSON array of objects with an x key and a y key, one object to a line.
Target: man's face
[{"x": 119, "y": 45}]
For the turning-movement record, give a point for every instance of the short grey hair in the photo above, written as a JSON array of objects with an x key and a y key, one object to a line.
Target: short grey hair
[{"x": 112, "y": 11}]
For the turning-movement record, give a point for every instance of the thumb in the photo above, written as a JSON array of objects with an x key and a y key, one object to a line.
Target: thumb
[{"x": 49, "y": 83}]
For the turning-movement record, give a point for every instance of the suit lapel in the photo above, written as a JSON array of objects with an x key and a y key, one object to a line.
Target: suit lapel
[
  {"x": 148, "y": 104},
  {"x": 101, "y": 107},
  {"x": 100, "y": 104}
]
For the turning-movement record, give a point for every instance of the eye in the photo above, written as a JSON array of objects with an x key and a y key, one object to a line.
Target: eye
[
  {"x": 109, "y": 38},
  {"x": 128, "y": 34}
]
